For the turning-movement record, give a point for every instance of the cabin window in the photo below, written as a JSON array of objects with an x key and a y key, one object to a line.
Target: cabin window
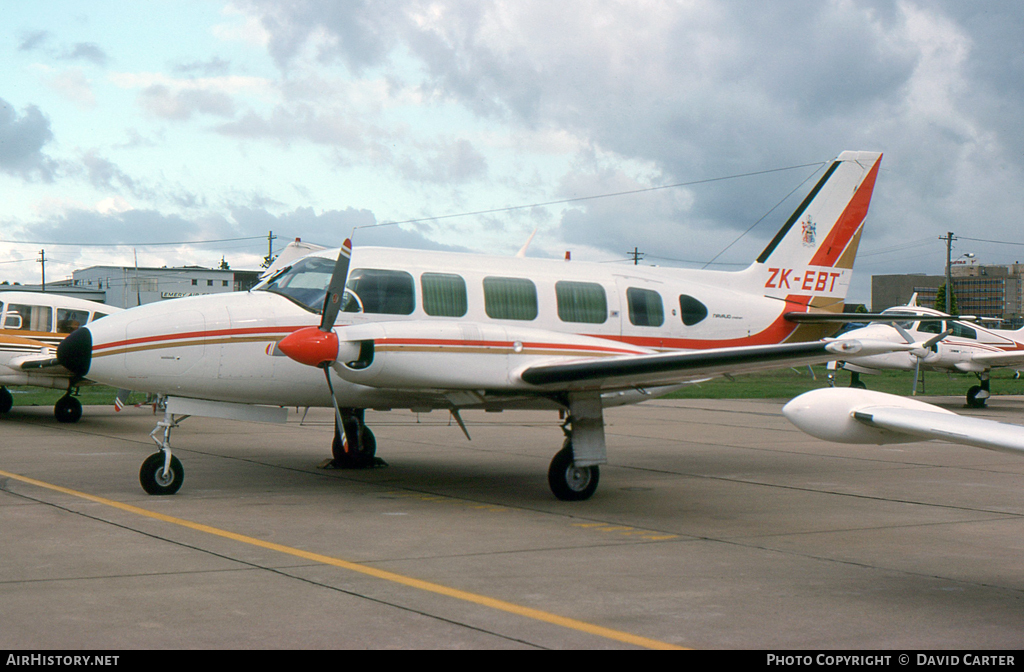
[
  {"x": 963, "y": 331},
  {"x": 510, "y": 298},
  {"x": 69, "y": 320},
  {"x": 581, "y": 302},
  {"x": 931, "y": 327},
  {"x": 33, "y": 318},
  {"x": 381, "y": 292},
  {"x": 96, "y": 316},
  {"x": 444, "y": 294},
  {"x": 691, "y": 310},
  {"x": 645, "y": 307}
]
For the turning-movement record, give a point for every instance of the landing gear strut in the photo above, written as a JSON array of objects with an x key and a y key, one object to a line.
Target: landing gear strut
[
  {"x": 856, "y": 382},
  {"x": 574, "y": 473},
  {"x": 162, "y": 473},
  {"x": 354, "y": 445}
]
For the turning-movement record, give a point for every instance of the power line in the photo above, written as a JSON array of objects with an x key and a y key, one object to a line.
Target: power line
[
  {"x": 587, "y": 198},
  {"x": 178, "y": 242}
]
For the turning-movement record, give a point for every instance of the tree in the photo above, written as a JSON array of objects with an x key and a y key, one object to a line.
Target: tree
[
  {"x": 223, "y": 264},
  {"x": 940, "y": 301}
]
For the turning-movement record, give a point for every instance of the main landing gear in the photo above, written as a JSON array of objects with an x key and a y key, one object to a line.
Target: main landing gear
[
  {"x": 67, "y": 409},
  {"x": 574, "y": 472},
  {"x": 977, "y": 395},
  {"x": 354, "y": 445}
]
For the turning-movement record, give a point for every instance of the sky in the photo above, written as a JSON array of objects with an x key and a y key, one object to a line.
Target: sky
[{"x": 182, "y": 133}]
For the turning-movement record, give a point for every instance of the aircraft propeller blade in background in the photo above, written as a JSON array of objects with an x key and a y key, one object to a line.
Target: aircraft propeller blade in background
[{"x": 920, "y": 352}]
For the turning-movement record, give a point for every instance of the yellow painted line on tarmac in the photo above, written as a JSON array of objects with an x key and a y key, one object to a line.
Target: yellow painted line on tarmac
[{"x": 436, "y": 588}]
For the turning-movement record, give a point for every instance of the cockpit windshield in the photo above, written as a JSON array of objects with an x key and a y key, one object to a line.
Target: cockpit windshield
[{"x": 305, "y": 282}]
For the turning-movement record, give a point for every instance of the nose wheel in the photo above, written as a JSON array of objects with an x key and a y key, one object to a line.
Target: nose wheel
[
  {"x": 160, "y": 478},
  {"x": 161, "y": 472}
]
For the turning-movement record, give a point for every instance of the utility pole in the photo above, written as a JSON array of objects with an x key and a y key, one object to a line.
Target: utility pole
[
  {"x": 269, "y": 259},
  {"x": 637, "y": 256},
  {"x": 42, "y": 262},
  {"x": 949, "y": 238}
]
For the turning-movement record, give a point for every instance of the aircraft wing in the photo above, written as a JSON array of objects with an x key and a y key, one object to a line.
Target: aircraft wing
[
  {"x": 675, "y": 367},
  {"x": 1011, "y": 358},
  {"x": 849, "y": 415}
]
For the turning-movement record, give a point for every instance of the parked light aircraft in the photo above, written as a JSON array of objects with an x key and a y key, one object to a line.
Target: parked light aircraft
[
  {"x": 31, "y": 326},
  {"x": 430, "y": 330},
  {"x": 951, "y": 345}
]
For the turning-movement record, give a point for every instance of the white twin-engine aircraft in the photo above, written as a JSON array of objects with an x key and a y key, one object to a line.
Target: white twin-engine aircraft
[
  {"x": 430, "y": 330},
  {"x": 31, "y": 326},
  {"x": 952, "y": 345}
]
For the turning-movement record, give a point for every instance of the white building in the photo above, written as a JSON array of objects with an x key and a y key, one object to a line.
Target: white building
[{"x": 127, "y": 286}]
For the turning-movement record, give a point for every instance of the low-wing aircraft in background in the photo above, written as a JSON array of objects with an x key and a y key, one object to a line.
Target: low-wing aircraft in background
[
  {"x": 31, "y": 326},
  {"x": 953, "y": 345},
  {"x": 431, "y": 330}
]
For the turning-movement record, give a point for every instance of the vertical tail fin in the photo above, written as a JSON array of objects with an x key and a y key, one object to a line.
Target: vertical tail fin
[{"x": 810, "y": 260}]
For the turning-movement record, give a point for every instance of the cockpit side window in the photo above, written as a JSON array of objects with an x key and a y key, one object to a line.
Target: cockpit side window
[{"x": 930, "y": 327}]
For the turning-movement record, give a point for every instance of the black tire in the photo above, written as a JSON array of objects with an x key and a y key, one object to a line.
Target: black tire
[
  {"x": 344, "y": 459},
  {"x": 972, "y": 397},
  {"x": 67, "y": 409},
  {"x": 6, "y": 400},
  {"x": 568, "y": 482},
  {"x": 152, "y": 483}
]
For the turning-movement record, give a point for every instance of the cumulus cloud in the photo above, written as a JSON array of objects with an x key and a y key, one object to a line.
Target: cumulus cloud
[
  {"x": 713, "y": 88},
  {"x": 22, "y": 139}
]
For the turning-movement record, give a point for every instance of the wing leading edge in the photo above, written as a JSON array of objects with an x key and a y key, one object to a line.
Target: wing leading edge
[{"x": 675, "y": 367}]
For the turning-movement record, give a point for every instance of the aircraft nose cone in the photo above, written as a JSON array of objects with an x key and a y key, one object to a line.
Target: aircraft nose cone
[{"x": 75, "y": 352}]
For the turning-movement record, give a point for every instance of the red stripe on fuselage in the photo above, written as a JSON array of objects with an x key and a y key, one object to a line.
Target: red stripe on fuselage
[{"x": 271, "y": 333}]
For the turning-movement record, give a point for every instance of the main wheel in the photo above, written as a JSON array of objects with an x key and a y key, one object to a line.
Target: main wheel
[
  {"x": 568, "y": 482},
  {"x": 972, "y": 397},
  {"x": 154, "y": 482},
  {"x": 6, "y": 400},
  {"x": 67, "y": 409}
]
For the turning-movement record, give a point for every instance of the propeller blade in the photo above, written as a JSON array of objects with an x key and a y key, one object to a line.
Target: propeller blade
[
  {"x": 336, "y": 288},
  {"x": 334, "y": 400},
  {"x": 903, "y": 332},
  {"x": 935, "y": 339}
]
